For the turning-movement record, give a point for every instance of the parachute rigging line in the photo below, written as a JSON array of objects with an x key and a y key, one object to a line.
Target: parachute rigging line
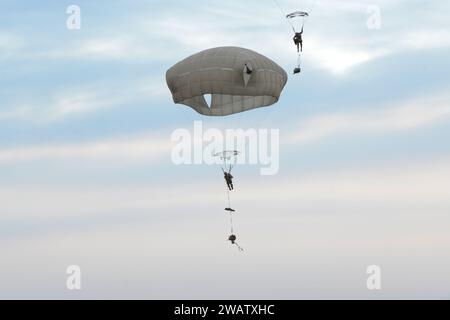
[
  {"x": 284, "y": 14},
  {"x": 231, "y": 223},
  {"x": 300, "y": 61},
  {"x": 309, "y": 11},
  {"x": 239, "y": 247}
]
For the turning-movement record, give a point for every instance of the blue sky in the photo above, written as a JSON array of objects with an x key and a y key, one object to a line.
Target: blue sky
[{"x": 87, "y": 179}]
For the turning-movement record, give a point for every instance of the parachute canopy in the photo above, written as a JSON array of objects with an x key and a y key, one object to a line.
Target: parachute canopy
[
  {"x": 297, "y": 20},
  {"x": 297, "y": 14},
  {"x": 237, "y": 79},
  {"x": 296, "y": 11},
  {"x": 227, "y": 155}
]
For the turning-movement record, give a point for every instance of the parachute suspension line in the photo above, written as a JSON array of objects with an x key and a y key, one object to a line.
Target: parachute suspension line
[
  {"x": 312, "y": 7},
  {"x": 231, "y": 212},
  {"x": 309, "y": 12},
  {"x": 284, "y": 14},
  {"x": 231, "y": 223},
  {"x": 279, "y": 7},
  {"x": 300, "y": 61}
]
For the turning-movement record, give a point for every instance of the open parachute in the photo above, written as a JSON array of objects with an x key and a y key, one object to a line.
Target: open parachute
[
  {"x": 296, "y": 13},
  {"x": 228, "y": 159},
  {"x": 237, "y": 79}
]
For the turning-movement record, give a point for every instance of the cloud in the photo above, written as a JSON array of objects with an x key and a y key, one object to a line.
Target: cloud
[
  {"x": 143, "y": 148},
  {"x": 336, "y": 37},
  {"x": 407, "y": 116},
  {"x": 86, "y": 99},
  {"x": 427, "y": 39},
  {"x": 408, "y": 186}
]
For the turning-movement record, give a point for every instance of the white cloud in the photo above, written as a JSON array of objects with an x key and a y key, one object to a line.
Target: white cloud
[
  {"x": 397, "y": 185},
  {"x": 427, "y": 39},
  {"x": 142, "y": 148},
  {"x": 339, "y": 57},
  {"x": 336, "y": 36},
  {"x": 88, "y": 99},
  {"x": 409, "y": 115}
]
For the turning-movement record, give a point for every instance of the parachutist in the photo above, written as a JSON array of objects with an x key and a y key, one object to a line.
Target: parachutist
[
  {"x": 233, "y": 239},
  {"x": 297, "y": 21},
  {"x": 298, "y": 40},
  {"x": 229, "y": 179},
  {"x": 248, "y": 69}
]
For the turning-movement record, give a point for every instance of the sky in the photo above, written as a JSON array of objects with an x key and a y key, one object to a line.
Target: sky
[{"x": 87, "y": 179}]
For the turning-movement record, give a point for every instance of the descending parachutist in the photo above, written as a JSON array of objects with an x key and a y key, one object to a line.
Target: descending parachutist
[
  {"x": 233, "y": 239},
  {"x": 229, "y": 179},
  {"x": 297, "y": 21},
  {"x": 229, "y": 159},
  {"x": 227, "y": 166},
  {"x": 298, "y": 40}
]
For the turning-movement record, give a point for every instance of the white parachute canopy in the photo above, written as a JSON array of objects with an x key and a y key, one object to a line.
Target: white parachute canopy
[
  {"x": 227, "y": 159},
  {"x": 296, "y": 12},
  {"x": 228, "y": 155}
]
